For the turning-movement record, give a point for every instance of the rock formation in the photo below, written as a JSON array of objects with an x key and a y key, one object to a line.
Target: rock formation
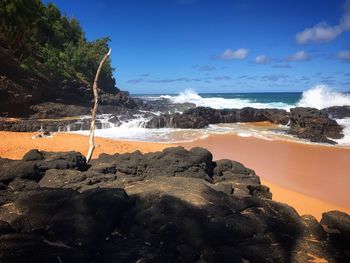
[
  {"x": 314, "y": 125},
  {"x": 201, "y": 117},
  {"x": 169, "y": 206},
  {"x": 25, "y": 94}
]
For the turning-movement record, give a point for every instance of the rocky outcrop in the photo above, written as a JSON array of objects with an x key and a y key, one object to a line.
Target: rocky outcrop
[
  {"x": 338, "y": 112},
  {"x": 305, "y": 123},
  {"x": 25, "y": 93},
  {"x": 314, "y": 125},
  {"x": 200, "y": 117},
  {"x": 169, "y": 206}
]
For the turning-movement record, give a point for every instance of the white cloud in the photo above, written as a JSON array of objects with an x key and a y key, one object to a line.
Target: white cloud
[
  {"x": 228, "y": 54},
  {"x": 299, "y": 56},
  {"x": 262, "y": 59},
  {"x": 322, "y": 32},
  {"x": 344, "y": 55}
]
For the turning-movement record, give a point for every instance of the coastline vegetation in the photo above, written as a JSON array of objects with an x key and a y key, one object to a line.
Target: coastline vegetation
[{"x": 51, "y": 45}]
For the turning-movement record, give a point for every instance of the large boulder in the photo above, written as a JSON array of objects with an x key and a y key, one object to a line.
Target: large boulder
[
  {"x": 314, "y": 125},
  {"x": 337, "y": 225}
]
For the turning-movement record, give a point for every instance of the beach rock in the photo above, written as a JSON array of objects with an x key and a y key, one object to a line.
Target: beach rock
[
  {"x": 18, "y": 184},
  {"x": 76, "y": 180},
  {"x": 174, "y": 161},
  {"x": 66, "y": 221},
  {"x": 337, "y": 225},
  {"x": 314, "y": 125},
  {"x": 200, "y": 117},
  {"x": 33, "y": 155},
  {"x": 62, "y": 160},
  {"x": 13, "y": 169},
  {"x": 49, "y": 110},
  {"x": 177, "y": 206},
  {"x": 177, "y": 120},
  {"x": 338, "y": 112}
]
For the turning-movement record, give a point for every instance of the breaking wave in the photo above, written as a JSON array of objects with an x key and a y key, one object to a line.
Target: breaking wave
[
  {"x": 321, "y": 97},
  {"x": 217, "y": 102}
]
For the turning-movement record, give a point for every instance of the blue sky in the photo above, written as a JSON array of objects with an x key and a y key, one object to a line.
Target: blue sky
[{"x": 167, "y": 46}]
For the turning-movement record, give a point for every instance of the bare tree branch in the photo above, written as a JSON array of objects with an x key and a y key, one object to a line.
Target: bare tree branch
[{"x": 94, "y": 109}]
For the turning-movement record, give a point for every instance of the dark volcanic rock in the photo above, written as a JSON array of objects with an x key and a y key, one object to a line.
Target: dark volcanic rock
[
  {"x": 63, "y": 160},
  {"x": 337, "y": 224},
  {"x": 314, "y": 125},
  {"x": 35, "y": 163},
  {"x": 70, "y": 225},
  {"x": 13, "y": 169},
  {"x": 57, "y": 110},
  {"x": 33, "y": 155},
  {"x": 201, "y": 117},
  {"x": 170, "y": 162},
  {"x": 177, "y": 120},
  {"x": 338, "y": 112},
  {"x": 177, "y": 206}
]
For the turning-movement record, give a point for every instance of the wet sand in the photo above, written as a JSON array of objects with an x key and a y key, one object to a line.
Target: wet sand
[
  {"x": 312, "y": 179},
  {"x": 320, "y": 172}
]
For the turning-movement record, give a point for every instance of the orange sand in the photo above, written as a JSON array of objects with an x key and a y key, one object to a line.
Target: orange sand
[
  {"x": 294, "y": 171},
  {"x": 297, "y": 174},
  {"x": 14, "y": 145}
]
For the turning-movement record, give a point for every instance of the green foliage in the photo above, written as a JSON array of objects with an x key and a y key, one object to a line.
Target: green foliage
[{"x": 44, "y": 40}]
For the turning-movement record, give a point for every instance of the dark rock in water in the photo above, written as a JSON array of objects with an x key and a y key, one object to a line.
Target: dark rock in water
[
  {"x": 162, "y": 105},
  {"x": 178, "y": 120},
  {"x": 338, "y": 112},
  {"x": 201, "y": 117},
  {"x": 177, "y": 206},
  {"x": 314, "y": 125}
]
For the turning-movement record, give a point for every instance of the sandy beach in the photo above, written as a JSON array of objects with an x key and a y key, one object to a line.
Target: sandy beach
[{"x": 312, "y": 179}]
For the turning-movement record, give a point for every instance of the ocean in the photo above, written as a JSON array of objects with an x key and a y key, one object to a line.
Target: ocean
[{"x": 318, "y": 97}]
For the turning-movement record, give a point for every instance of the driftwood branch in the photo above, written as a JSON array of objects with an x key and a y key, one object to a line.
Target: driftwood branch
[{"x": 94, "y": 109}]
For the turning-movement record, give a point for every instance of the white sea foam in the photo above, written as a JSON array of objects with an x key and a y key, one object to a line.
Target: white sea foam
[
  {"x": 191, "y": 96},
  {"x": 321, "y": 96},
  {"x": 345, "y": 141}
]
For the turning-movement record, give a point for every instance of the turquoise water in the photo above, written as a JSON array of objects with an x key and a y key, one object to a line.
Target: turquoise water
[{"x": 290, "y": 98}]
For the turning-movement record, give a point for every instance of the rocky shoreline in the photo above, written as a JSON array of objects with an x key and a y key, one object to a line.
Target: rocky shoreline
[
  {"x": 306, "y": 123},
  {"x": 169, "y": 206}
]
